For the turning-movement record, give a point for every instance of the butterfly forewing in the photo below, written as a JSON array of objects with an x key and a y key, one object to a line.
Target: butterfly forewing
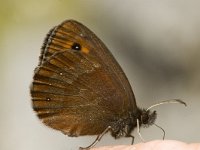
[{"x": 72, "y": 91}]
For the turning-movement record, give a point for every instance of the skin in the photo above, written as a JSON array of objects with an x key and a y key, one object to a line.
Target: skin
[{"x": 155, "y": 145}]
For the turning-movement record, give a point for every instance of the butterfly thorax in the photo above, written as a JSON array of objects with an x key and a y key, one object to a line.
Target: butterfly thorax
[{"x": 125, "y": 125}]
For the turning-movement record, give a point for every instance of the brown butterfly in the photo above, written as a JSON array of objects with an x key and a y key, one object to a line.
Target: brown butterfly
[{"x": 80, "y": 89}]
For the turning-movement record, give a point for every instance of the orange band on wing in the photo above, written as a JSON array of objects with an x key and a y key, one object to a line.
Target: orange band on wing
[{"x": 85, "y": 50}]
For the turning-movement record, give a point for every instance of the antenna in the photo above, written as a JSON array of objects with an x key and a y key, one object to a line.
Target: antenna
[{"x": 168, "y": 102}]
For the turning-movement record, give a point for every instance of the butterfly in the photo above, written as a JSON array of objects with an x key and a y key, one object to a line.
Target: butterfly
[{"x": 80, "y": 89}]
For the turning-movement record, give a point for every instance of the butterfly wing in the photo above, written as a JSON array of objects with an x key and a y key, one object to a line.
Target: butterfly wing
[{"x": 79, "y": 92}]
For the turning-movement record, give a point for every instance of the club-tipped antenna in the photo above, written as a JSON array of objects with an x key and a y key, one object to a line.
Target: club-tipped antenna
[{"x": 168, "y": 102}]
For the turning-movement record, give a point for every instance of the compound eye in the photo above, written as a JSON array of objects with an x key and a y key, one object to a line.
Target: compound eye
[{"x": 145, "y": 118}]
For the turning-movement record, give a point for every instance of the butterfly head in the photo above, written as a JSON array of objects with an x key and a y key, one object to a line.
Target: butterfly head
[{"x": 147, "y": 117}]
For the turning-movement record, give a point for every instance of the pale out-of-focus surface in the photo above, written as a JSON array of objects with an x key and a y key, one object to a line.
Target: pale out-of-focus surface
[{"x": 156, "y": 43}]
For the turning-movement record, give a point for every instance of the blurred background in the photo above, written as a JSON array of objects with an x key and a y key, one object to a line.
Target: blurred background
[{"x": 157, "y": 43}]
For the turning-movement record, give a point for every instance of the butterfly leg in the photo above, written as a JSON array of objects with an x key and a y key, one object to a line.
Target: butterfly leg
[
  {"x": 96, "y": 140},
  {"x": 138, "y": 131},
  {"x": 129, "y": 135},
  {"x": 132, "y": 141}
]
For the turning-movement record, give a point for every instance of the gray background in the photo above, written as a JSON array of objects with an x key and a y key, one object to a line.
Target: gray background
[{"x": 156, "y": 43}]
